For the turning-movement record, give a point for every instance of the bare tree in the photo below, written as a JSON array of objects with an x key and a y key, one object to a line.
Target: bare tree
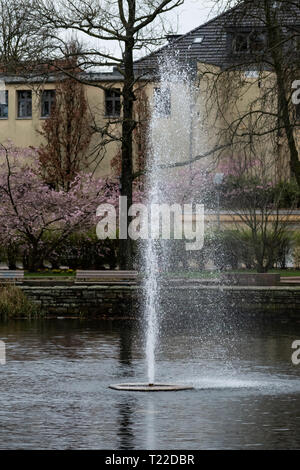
[
  {"x": 262, "y": 63},
  {"x": 130, "y": 24},
  {"x": 21, "y": 38},
  {"x": 255, "y": 202},
  {"x": 67, "y": 135}
]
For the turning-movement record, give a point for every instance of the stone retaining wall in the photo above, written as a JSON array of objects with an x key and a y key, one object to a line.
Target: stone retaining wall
[
  {"x": 122, "y": 301},
  {"x": 81, "y": 300}
]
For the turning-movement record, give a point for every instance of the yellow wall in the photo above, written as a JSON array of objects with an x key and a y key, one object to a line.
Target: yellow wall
[
  {"x": 208, "y": 125},
  {"x": 230, "y": 95},
  {"x": 23, "y": 132}
]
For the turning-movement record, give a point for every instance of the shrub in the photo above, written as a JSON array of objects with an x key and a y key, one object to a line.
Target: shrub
[
  {"x": 85, "y": 251},
  {"x": 78, "y": 250},
  {"x": 14, "y": 303},
  {"x": 290, "y": 194},
  {"x": 296, "y": 249},
  {"x": 231, "y": 248}
]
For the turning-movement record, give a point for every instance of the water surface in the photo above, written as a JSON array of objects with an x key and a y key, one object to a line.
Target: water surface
[{"x": 55, "y": 395}]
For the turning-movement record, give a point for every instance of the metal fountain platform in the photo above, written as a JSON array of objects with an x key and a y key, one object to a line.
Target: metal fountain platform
[{"x": 144, "y": 387}]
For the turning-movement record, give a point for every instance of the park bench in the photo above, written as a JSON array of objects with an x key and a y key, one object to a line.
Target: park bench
[
  {"x": 290, "y": 281},
  {"x": 106, "y": 277},
  {"x": 7, "y": 275},
  {"x": 251, "y": 279}
]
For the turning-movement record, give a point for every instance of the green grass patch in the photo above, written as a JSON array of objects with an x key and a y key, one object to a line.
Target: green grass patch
[
  {"x": 51, "y": 273},
  {"x": 216, "y": 274},
  {"x": 282, "y": 272},
  {"x": 177, "y": 274},
  {"x": 194, "y": 274},
  {"x": 287, "y": 273}
]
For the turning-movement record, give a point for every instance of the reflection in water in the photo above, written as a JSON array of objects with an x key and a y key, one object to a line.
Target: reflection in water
[
  {"x": 150, "y": 422},
  {"x": 126, "y": 423},
  {"x": 54, "y": 387},
  {"x": 126, "y": 339}
]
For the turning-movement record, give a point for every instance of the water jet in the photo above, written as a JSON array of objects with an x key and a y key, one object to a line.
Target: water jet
[{"x": 165, "y": 138}]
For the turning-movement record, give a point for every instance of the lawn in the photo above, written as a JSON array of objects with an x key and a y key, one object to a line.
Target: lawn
[
  {"x": 51, "y": 273},
  {"x": 182, "y": 274},
  {"x": 216, "y": 274},
  {"x": 282, "y": 272}
]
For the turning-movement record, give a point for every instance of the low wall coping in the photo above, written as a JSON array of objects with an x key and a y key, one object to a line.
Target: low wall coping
[{"x": 186, "y": 287}]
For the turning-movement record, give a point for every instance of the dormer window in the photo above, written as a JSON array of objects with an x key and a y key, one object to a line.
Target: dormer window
[
  {"x": 249, "y": 42},
  {"x": 240, "y": 43},
  {"x": 257, "y": 42}
]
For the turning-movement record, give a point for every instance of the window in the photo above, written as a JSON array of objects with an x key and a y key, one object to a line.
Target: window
[
  {"x": 251, "y": 74},
  {"x": 240, "y": 43},
  {"x": 47, "y": 103},
  {"x": 24, "y": 104},
  {"x": 162, "y": 102},
  {"x": 249, "y": 42},
  {"x": 4, "y": 104},
  {"x": 257, "y": 42},
  {"x": 112, "y": 103}
]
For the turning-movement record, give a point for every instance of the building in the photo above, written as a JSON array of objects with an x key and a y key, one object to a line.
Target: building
[
  {"x": 245, "y": 62},
  {"x": 229, "y": 57}
]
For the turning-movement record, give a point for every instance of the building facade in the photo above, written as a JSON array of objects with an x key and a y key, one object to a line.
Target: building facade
[{"x": 237, "y": 102}]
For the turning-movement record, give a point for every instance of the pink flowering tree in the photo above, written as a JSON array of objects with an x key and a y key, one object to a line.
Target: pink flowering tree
[{"x": 38, "y": 217}]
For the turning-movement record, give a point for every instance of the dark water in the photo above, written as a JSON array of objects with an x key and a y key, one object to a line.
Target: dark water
[{"x": 54, "y": 387}]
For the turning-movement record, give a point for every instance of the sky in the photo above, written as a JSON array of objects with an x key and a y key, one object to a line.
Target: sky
[
  {"x": 191, "y": 14},
  {"x": 188, "y": 16}
]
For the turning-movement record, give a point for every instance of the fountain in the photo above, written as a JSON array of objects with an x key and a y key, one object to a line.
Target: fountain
[{"x": 169, "y": 142}]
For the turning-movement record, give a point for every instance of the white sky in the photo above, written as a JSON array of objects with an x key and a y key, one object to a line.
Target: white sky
[
  {"x": 188, "y": 16},
  {"x": 191, "y": 14}
]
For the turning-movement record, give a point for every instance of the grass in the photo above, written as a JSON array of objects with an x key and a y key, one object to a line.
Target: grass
[
  {"x": 292, "y": 273},
  {"x": 216, "y": 274},
  {"x": 14, "y": 303},
  {"x": 195, "y": 274},
  {"x": 282, "y": 272},
  {"x": 51, "y": 273},
  {"x": 179, "y": 274}
]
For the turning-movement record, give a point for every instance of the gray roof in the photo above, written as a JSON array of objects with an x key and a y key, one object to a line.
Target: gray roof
[
  {"x": 53, "y": 78},
  {"x": 215, "y": 48},
  {"x": 209, "y": 43}
]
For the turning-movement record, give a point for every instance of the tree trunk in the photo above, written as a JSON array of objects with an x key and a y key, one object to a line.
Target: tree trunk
[
  {"x": 128, "y": 125},
  {"x": 294, "y": 157},
  {"x": 35, "y": 259},
  {"x": 275, "y": 41}
]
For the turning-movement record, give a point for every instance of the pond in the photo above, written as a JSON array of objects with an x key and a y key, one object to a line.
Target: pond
[{"x": 55, "y": 395}]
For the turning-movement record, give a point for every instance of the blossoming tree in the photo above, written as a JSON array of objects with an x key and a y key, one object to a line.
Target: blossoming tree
[{"x": 38, "y": 217}]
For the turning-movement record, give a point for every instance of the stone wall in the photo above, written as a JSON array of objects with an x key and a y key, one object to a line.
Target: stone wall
[
  {"x": 122, "y": 301},
  {"x": 102, "y": 301}
]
